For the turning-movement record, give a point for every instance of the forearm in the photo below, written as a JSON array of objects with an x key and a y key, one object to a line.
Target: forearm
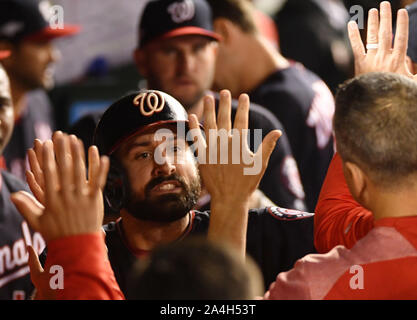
[
  {"x": 290, "y": 285},
  {"x": 228, "y": 223},
  {"x": 86, "y": 269},
  {"x": 339, "y": 219}
]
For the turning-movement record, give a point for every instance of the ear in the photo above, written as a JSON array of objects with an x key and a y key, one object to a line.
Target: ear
[
  {"x": 139, "y": 55},
  {"x": 358, "y": 183},
  {"x": 223, "y": 27}
]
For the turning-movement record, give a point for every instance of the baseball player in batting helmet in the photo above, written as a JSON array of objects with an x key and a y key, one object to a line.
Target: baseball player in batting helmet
[
  {"x": 156, "y": 199},
  {"x": 134, "y": 115}
]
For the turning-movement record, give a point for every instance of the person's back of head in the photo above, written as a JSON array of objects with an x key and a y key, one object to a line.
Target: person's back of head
[
  {"x": 194, "y": 270},
  {"x": 375, "y": 125},
  {"x": 239, "y": 12}
]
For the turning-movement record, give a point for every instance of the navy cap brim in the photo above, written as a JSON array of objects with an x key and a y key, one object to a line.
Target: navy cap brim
[
  {"x": 49, "y": 33},
  {"x": 142, "y": 130},
  {"x": 188, "y": 30}
]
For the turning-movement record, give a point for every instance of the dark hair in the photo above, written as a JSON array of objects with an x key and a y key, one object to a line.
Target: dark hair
[
  {"x": 376, "y": 125},
  {"x": 240, "y": 12},
  {"x": 194, "y": 269}
]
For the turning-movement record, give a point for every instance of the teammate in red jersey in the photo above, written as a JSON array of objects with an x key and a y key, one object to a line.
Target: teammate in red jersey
[
  {"x": 376, "y": 137},
  {"x": 340, "y": 220}
]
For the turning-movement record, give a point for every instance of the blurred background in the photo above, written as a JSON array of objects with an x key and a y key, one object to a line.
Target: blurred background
[{"x": 97, "y": 65}]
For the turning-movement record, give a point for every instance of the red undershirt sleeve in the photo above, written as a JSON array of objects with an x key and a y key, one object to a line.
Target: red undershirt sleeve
[
  {"x": 87, "y": 271},
  {"x": 339, "y": 219}
]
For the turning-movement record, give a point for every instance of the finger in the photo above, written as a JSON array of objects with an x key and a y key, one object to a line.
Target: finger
[
  {"x": 78, "y": 164},
  {"x": 401, "y": 35},
  {"x": 210, "y": 126},
  {"x": 104, "y": 170},
  {"x": 355, "y": 40},
  {"x": 196, "y": 129},
  {"x": 193, "y": 122},
  {"x": 373, "y": 27},
  {"x": 35, "y": 267},
  {"x": 28, "y": 207},
  {"x": 385, "y": 28},
  {"x": 199, "y": 143},
  {"x": 38, "y": 147},
  {"x": 224, "y": 111},
  {"x": 268, "y": 146},
  {"x": 64, "y": 161},
  {"x": 93, "y": 163},
  {"x": 209, "y": 113},
  {"x": 50, "y": 172},
  {"x": 35, "y": 167},
  {"x": 34, "y": 187},
  {"x": 242, "y": 113},
  {"x": 93, "y": 167}
]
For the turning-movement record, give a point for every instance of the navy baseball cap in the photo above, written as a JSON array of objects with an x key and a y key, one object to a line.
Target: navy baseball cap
[
  {"x": 134, "y": 114},
  {"x": 30, "y": 20},
  {"x": 412, "y": 35},
  {"x": 162, "y": 19}
]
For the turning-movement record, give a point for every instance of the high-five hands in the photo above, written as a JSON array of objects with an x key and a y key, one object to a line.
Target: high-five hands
[
  {"x": 230, "y": 183},
  {"x": 67, "y": 203},
  {"x": 380, "y": 54},
  {"x": 231, "y": 179}
]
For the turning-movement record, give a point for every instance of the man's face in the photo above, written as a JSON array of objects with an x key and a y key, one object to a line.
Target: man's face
[
  {"x": 159, "y": 192},
  {"x": 181, "y": 66},
  {"x": 6, "y": 110},
  {"x": 31, "y": 64}
]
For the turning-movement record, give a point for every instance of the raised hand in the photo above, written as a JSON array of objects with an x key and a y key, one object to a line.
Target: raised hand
[
  {"x": 230, "y": 181},
  {"x": 34, "y": 176},
  {"x": 380, "y": 54},
  {"x": 71, "y": 203},
  {"x": 236, "y": 175}
]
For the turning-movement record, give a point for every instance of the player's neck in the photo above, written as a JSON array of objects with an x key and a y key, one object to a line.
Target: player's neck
[
  {"x": 270, "y": 60},
  {"x": 395, "y": 204},
  {"x": 146, "y": 235},
  {"x": 18, "y": 97}
]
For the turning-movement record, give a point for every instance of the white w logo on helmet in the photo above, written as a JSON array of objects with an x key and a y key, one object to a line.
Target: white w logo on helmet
[
  {"x": 155, "y": 102},
  {"x": 182, "y": 11}
]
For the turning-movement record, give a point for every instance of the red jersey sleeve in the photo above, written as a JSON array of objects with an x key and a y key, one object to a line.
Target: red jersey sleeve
[
  {"x": 339, "y": 219},
  {"x": 87, "y": 271}
]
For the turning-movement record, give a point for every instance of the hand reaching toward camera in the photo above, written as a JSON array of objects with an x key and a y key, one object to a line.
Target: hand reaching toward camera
[
  {"x": 380, "y": 54},
  {"x": 67, "y": 202}
]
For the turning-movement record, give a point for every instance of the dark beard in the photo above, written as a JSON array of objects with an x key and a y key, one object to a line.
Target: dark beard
[{"x": 165, "y": 208}]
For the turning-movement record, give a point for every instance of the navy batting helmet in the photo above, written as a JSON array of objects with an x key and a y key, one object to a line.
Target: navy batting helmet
[{"x": 134, "y": 113}]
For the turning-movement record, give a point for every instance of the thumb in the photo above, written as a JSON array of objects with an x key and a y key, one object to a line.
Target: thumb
[
  {"x": 268, "y": 146},
  {"x": 29, "y": 208},
  {"x": 35, "y": 266}
]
